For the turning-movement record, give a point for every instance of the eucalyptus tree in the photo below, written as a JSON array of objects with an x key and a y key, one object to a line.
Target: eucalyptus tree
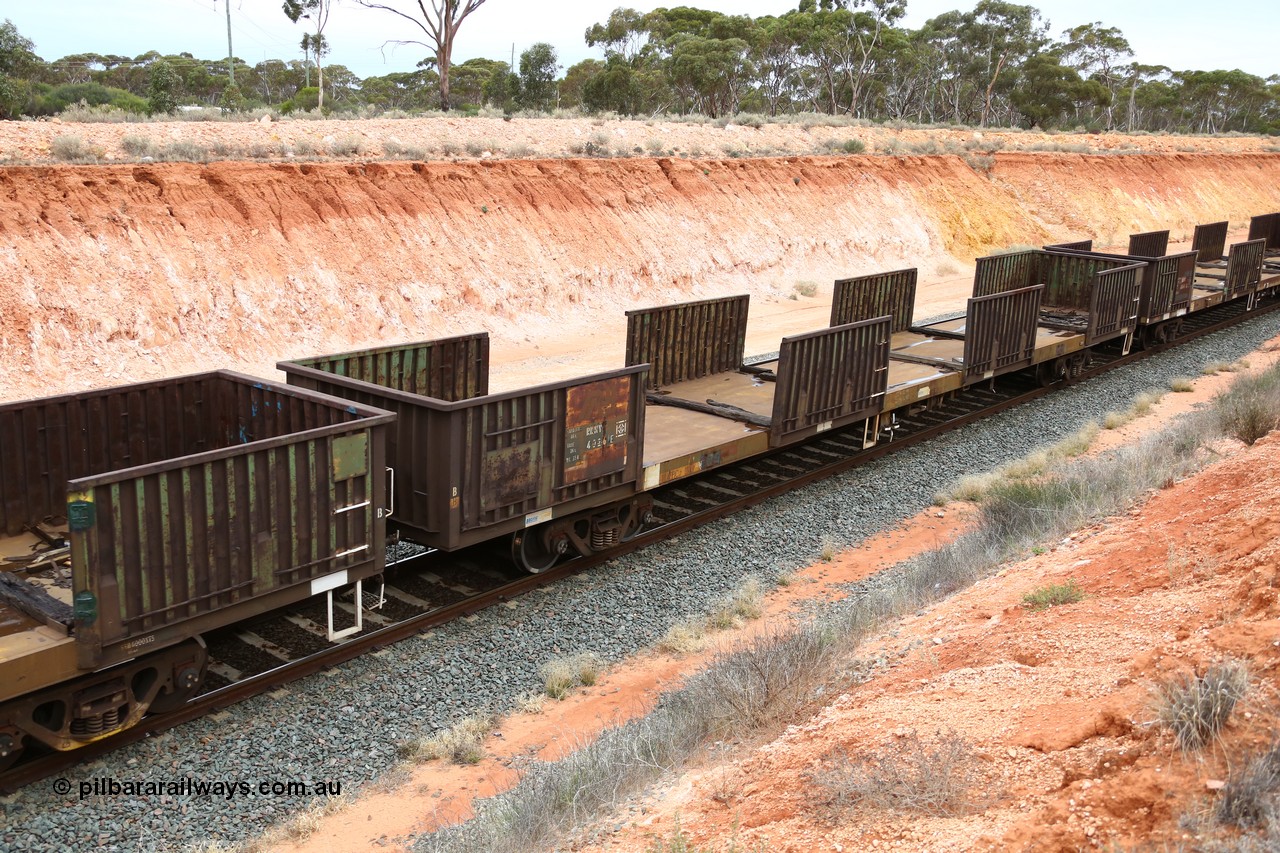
[
  {"x": 1099, "y": 53},
  {"x": 317, "y": 12},
  {"x": 439, "y": 22},
  {"x": 18, "y": 62},
  {"x": 538, "y": 68}
]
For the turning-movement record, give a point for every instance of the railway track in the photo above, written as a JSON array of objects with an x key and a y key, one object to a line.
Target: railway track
[{"x": 428, "y": 589}]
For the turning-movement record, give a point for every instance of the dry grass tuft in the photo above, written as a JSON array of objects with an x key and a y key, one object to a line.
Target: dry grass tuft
[
  {"x": 938, "y": 778},
  {"x": 563, "y": 674},
  {"x": 1249, "y": 799},
  {"x": 1196, "y": 707},
  {"x": 461, "y": 743},
  {"x": 683, "y": 638}
]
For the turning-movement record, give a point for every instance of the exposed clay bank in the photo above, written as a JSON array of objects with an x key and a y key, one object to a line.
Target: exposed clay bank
[{"x": 128, "y": 272}]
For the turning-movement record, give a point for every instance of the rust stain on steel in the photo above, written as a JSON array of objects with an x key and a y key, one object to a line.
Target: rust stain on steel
[
  {"x": 1152, "y": 244},
  {"x": 1000, "y": 334},
  {"x": 1244, "y": 268},
  {"x": 1210, "y": 241},
  {"x": 830, "y": 378},
  {"x": 868, "y": 296},
  {"x": 597, "y": 424},
  {"x": 1166, "y": 286},
  {"x": 689, "y": 340},
  {"x": 1266, "y": 227},
  {"x": 510, "y": 474}
]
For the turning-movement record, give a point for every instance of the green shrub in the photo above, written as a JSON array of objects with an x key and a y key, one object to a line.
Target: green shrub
[
  {"x": 1053, "y": 595},
  {"x": 305, "y": 99}
]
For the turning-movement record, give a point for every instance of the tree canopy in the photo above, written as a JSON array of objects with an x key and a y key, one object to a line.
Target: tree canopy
[{"x": 996, "y": 63}]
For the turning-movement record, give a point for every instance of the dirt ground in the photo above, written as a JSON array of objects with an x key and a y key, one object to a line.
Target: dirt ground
[{"x": 480, "y": 138}]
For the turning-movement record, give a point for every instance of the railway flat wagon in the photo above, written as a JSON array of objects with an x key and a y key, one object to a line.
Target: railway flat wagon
[
  {"x": 997, "y": 334},
  {"x": 134, "y": 519},
  {"x": 555, "y": 466},
  {"x": 707, "y": 407},
  {"x": 1166, "y": 282},
  {"x": 1096, "y": 298}
]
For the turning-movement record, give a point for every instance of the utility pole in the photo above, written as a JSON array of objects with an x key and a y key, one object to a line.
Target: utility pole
[{"x": 231, "y": 57}]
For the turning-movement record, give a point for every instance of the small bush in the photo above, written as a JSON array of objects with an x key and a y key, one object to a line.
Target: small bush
[
  {"x": 980, "y": 162},
  {"x": 1249, "y": 800},
  {"x": 1182, "y": 384},
  {"x": 1215, "y": 367},
  {"x": 561, "y": 675},
  {"x": 138, "y": 146},
  {"x": 938, "y": 778},
  {"x": 185, "y": 152},
  {"x": 806, "y": 288},
  {"x": 1053, "y": 595},
  {"x": 346, "y": 146},
  {"x": 461, "y": 743},
  {"x": 1250, "y": 408},
  {"x": 73, "y": 149},
  {"x": 1196, "y": 707},
  {"x": 853, "y": 146}
]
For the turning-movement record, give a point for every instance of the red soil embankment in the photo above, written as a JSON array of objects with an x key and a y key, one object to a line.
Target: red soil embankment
[{"x": 118, "y": 273}]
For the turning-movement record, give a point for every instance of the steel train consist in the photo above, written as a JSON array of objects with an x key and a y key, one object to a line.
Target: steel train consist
[{"x": 135, "y": 519}]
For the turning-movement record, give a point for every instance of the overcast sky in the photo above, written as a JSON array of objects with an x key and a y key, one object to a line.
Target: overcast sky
[{"x": 1179, "y": 34}]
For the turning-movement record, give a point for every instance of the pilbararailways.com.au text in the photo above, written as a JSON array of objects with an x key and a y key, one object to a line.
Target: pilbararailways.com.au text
[{"x": 227, "y": 789}]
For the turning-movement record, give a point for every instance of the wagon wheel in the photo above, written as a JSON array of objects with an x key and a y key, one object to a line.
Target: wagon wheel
[
  {"x": 635, "y": 523},
  {"x": 1051, "y": 372},
  {"x": 531, "y": 553},
  {"x": 188, "y": 677},
  {"x": 10, "y": 749}
]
